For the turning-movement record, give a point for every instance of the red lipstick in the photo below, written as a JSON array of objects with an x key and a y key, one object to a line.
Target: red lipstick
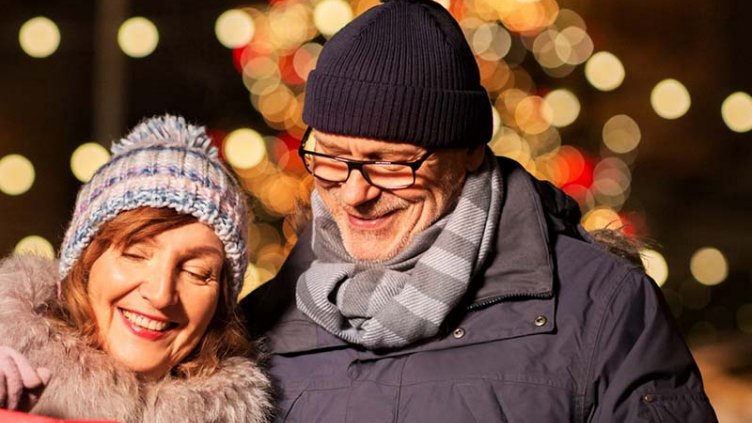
[{"x": 151, "y": 335}]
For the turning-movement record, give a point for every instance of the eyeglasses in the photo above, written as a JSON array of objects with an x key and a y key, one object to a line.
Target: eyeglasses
[{"x": 379, "y": 173}]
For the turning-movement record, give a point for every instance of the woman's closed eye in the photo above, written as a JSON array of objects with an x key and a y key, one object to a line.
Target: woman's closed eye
[
  {"x": 135, "y": 253},
  {"x": 199, "y": 274}
]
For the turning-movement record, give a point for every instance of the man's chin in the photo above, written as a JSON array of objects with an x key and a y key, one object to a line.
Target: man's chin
[{"x": 370, "y": 248}]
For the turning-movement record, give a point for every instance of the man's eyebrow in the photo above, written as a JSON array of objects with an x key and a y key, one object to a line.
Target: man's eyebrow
[{"x": 322, "y": 142}]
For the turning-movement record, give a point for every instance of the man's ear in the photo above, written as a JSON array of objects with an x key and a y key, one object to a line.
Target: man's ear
[{"x": 475, "y": 157}]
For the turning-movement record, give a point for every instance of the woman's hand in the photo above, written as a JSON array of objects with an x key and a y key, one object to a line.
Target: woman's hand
[{"x": 20, "y": 383}]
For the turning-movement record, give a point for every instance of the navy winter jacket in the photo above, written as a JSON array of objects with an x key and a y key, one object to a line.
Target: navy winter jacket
[{"x": 555, "y": 330}]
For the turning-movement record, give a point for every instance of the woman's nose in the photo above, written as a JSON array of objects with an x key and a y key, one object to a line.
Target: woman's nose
[{"x": 159, "y": 287}]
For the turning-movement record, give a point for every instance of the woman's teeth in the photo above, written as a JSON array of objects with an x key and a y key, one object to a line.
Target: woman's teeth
[{"x": 145, "y": 322}]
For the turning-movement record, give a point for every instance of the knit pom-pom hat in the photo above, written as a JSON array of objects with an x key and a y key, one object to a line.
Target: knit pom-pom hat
[
  {"x": 163, "y": 162},
  {"x": 401, "y": 71}
]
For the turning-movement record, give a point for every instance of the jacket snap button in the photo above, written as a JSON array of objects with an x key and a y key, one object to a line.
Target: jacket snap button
[
  {"x": 648, "y": 398},
  {"x": 458, "y": 333},
  {"x": 540, "y": 321}
]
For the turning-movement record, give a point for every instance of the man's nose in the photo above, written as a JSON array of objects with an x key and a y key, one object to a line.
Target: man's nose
[
  {"x": 159, "y": 287},
  {"x": 356, "y": 190}
]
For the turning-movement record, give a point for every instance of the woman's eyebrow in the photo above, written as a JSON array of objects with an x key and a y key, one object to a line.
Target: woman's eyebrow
[{"x": 205, "y": 250}]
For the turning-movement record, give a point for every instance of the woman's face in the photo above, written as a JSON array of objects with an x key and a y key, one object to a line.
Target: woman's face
[{"x": 153, "y": 300}]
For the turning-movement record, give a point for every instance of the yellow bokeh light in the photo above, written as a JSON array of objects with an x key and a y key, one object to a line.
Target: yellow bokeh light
[
  {"x": 244, "y": 148},
  {"x": 670, "y": 99},
  {"x": 569, "y": 18},
  {"x": 655, "y": 265},
  {"x": 138, "y": 37},
  {"x": 251, "y": 280},
  {"x": 611, "y": 177},
  {"x": 36, "y": 245},
  {"x": 234, "y": 28},
  {"x": 289, "y": 25},
  {"x": 495, "y": 121},
  {"x": 508, "y": 143},
  {"x": 305, "y": 59},
  {"x": 39, "y": 37},
  {"x": 545, "y": 143},
  {"x": 621, "y": 134},
  {"x": 564, "y": 105},
  {"x": 261, "y": 67},
  {"x": 86, "y": 159},
  {"x": 491, "y": 42},
  {"x": 544, "y": 49},
  {"x": 329, "y": 16},
  {"x": 601, "y": 218},
  {"x": 527, "y": 16},
  {"x": 533, "y": 115},
  {"x": 604, "y": 71},
  {"x": 16, "y": 174},
  {"x": 737, "y": 112},
  {"x": 573, "y": 45},
  {"x": 709, "y": 266}
]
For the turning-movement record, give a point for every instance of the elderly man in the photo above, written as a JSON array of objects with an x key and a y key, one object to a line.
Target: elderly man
[{"x": 437, "y": 283}]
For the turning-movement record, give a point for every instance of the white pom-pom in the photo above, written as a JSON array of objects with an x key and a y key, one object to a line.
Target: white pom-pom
[{"x": 165, "y": 130}]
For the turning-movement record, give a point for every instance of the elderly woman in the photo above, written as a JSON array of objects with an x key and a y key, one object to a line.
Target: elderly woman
[{"x": 137, "y": 321}]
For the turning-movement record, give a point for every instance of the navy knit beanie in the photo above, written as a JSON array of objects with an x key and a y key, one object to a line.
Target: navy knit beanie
[{"x": 402, "y": 71}]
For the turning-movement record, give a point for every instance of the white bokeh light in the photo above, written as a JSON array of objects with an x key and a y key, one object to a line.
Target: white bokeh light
[
  {"x": 234, "y": 28},
  {"x": 39, "y": 37},
  {"x": 86, "y": 159},
  {"x": 16, "y": 174},
  {"x": 138, "y": 37},
  {"x": 670, "y": 99},
  {"x": 244, "y": 148},
  {"x": 329, "y": 16}
]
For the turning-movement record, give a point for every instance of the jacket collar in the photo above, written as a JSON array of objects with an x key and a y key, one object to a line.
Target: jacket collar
[{"x": 521, "y": 266}]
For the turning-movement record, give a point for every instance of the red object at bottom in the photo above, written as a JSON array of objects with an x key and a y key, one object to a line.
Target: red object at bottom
[{"x": 7, "y": 416}]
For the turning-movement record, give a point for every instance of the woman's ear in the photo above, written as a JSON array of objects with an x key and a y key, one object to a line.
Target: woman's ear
[{"x": 475, "y": 157}]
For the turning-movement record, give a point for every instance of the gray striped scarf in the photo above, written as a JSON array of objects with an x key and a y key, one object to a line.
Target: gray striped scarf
[{"x": 405, "y": 299}]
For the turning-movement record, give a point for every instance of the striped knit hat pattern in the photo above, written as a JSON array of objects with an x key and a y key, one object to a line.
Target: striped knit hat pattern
[
  {"x": 401, "y": 71},
  {"x": 163, "y": 162}
]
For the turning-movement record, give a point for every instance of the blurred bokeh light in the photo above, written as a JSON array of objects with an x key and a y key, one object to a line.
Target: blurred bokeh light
[
  {"x": 35, "y": 245},
  {"x": 605, "y": 71},
  {"x": 655, "y": 265},
  {"x": 234, "y": 28},
  {"x": 138, "y": 37},
  {"x": 737, "y": 112},
  {"x": 621, "y": 134},
  {"x": 16, "y": 174},
  {"x": 39, "y": 37},
  {"x": 670, "y": 99},
  {"x": 601, "y": 218},
  {"x": 564, "y": 106},
  {"x": 86, "y": 159},
  {"x": 331, "y": 15},
  {"x": 244, "y": 148},
  {"x": 709, "y": 266}
]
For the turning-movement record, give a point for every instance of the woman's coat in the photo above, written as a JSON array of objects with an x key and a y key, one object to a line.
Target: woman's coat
[{"x": 88, "y": 383}]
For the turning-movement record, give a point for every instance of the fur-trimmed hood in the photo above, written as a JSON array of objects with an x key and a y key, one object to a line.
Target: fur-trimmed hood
[{"x": 88, "y": 383}]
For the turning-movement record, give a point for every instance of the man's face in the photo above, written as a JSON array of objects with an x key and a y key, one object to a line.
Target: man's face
[{"x": 375, "y": 223}]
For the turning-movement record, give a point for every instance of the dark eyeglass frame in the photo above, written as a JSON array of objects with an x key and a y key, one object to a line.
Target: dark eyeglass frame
[{"x": 358, "y": 164}]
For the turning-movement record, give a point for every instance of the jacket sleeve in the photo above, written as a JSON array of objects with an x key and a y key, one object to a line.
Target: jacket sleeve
[{"x": 642, "y": 371}]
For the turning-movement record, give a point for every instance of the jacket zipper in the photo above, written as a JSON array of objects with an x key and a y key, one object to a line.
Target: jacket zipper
[{"x": 500, "y": 298}]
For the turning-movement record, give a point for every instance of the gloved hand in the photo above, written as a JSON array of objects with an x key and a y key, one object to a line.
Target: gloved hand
[{"x": 20, "y": 383}]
